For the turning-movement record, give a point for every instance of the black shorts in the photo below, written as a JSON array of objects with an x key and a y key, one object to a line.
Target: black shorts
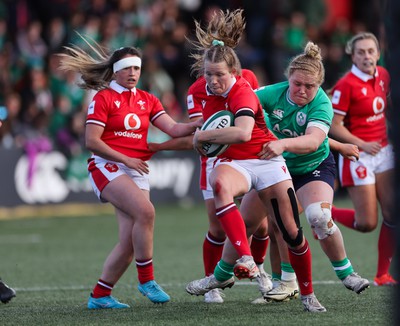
[{"x": 325, "y": 172}]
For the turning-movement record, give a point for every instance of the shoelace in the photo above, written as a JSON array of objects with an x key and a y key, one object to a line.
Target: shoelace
[{"x": 153, "y": 288}]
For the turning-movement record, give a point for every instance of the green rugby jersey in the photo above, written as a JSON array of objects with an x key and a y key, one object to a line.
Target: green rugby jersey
[{"x": 286, "y": 119}]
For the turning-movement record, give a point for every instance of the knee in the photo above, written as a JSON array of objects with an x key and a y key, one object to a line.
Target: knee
[
  {"x": 366, "y": 226},
  {"x": 262, "y": 229},
  {"x": 319, "y": 216},
  {"x": 292, "y": 233},
  {"x": 219, "y": 185},
  {"x": 147, "y": 214}
]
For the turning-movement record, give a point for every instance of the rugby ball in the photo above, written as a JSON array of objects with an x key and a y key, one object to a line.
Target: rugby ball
[{"x": 218, "y": 120}]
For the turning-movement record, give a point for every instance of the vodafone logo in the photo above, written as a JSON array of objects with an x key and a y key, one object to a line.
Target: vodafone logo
[
  {"x": 132, "y": 122},
  {"x": 378, "y": 105}
]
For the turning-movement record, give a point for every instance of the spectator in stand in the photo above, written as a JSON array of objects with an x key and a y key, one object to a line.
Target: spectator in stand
[
  {"x": 31, "y": 45},
  {"x": 13, "y": 131}
]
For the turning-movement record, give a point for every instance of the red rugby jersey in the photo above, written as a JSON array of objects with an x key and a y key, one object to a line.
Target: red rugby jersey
[
  {"x": 362, "y": 99},
  {"x": 126, "y": 116},
  {"x": 201, "y": 102}
]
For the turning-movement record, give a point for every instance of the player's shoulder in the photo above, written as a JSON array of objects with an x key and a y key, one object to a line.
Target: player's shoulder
[
  {"x": 382, "y": 71},
  {"x": 198, "y": 86},
  {"x": 322, "y": 95},
  {"x": 346, "y": 80},
  {"x": 145, "y": 96},
  {"x": 251, "y": 78},
  {"x": 275, "y": 89},
  {"x": 105, "y": 94},
  {"x": 241, "y": 85}
]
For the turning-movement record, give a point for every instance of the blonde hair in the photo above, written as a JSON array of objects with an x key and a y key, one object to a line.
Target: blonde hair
[
  {"x": 217, "y": 41},
  {"x": 96, "y": 72},
  {"x": 360, "y": 36},
  {"x": 309, "y": 61}
]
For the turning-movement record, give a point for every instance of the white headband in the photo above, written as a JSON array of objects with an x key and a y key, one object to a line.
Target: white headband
[{"x": 127, "y": 62}]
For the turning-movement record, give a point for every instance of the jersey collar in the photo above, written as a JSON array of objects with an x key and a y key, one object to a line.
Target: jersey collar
[
  {"x": 119, "y": 89},
  {"x": 362, "y": 75}
]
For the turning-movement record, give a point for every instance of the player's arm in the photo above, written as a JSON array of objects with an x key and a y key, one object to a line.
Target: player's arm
[
  {"x": 239, "y": 133},
  {"x": 176, "y": 129},
  {"x": 174, "y": 144},
  {"x": 305, "y": 144},
  {"x": 339, "y": 132},
  {"x": 349, "y": 151}
]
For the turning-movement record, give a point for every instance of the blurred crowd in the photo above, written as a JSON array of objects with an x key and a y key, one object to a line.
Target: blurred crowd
[{"x": 43, "y": 109}]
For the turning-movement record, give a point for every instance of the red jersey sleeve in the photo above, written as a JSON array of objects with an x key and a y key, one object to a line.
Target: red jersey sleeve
[
  {"x": 341, "y": 96},
  {"x": 251, "y": 78},
  {"x": 242, "y": 97},
  {"x": 193, "y": 101},
  {"x": 156, "y": 107},
  {"x": 98, "y": 110}
]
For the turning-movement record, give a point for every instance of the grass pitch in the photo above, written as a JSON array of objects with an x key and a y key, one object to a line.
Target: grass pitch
[{"x": 53, "y": 263}]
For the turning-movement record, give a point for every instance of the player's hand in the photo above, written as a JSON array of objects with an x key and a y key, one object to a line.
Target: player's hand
[
  {"x": 350, "y": 152},
  {"x": 198, "y": 146},
  {"x": 198, "y": 123},
  {"x": 137, "y": 164},
  {"x": 372, "y": 147},
  {"x": 153, "y": 147},
  {"x": 271, "y": 150}
]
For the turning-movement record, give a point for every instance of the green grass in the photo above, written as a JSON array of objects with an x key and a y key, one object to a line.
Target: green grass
[{"x": 53, "y": 263}]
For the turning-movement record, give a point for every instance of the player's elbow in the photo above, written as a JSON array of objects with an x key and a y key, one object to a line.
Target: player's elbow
[
  {"x": 313, "y": 147},
  {"x": 90, "y": 144},
  {"x": 311, "y": 144},
  {"x": 243, "y": 136}
]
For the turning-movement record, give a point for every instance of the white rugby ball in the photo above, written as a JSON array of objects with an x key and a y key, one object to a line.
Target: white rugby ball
[{"x": 218, "y": 120}]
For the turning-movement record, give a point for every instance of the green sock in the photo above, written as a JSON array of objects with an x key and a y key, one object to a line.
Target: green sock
[
  {"x": 223, "y": 271},
  {"x": 276, "y": 276},
  {"x": 287, "y": 272},
  {"x": 342, "y": 268},
  {"x": 286, "y": 267}
]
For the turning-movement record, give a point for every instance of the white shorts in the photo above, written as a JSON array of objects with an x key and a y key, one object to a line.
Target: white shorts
[
  {"x": 102, "y": 171},
  {"x": 260, "y": 174},
  {"x": 207, "y": 165},
  {"x": 362, "y": 172}
]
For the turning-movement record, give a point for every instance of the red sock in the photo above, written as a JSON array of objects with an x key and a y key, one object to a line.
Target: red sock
[
  {"x": 300, "y": 260},
  {"x": 145, "y": 270},
  {"x": 102, "y": 289},
  {"x": 212, "y": 252},
  {"x": 234, "y": 227},
  {"x": 386, "y": 244},
  {"x": 259, "y": 248},
  {"x": 344, "y": 216}
]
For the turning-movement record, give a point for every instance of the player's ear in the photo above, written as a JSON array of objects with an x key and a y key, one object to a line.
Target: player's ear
[{"x": 234, "y": 72}]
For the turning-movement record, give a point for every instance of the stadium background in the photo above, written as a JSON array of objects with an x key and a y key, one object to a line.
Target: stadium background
[
  {"x": 43, "y": 159},
  {"x": 43, "y": 111}
]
